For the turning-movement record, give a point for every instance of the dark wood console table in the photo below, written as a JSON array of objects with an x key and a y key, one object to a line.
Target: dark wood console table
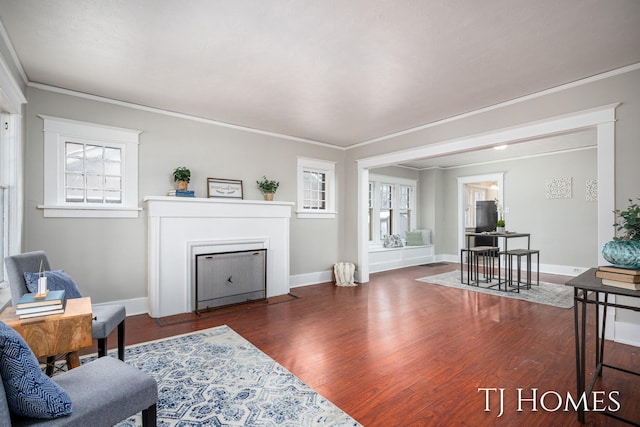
[{"x": 582, "y": 285}]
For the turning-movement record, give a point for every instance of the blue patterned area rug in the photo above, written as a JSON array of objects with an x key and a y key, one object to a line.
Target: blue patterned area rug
[
  {"x": 215, "y": 377},
  {"x": 547, "y": 293}
]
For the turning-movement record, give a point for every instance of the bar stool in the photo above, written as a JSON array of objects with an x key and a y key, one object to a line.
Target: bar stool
[
  {"x": 518, "y": 254},
  {"x": 473, "y": 263}
]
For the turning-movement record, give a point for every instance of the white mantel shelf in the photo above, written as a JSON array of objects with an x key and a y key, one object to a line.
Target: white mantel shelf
[
  {"x": 180, "y": 227},
  {"x": 192, "y": 206}
]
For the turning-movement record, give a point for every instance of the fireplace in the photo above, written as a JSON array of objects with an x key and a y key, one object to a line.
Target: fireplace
[
  {"x": 180, "y": 228},
  {"x": 226, "y": 278}
]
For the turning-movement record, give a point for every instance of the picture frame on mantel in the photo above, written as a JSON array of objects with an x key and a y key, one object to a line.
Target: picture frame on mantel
[{"x": 224, "y": 188}]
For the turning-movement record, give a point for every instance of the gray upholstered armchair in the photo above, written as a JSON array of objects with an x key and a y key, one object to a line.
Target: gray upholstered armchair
[
  {"x": 99, "y": 393},
  {"x": 105, "y": 317}
]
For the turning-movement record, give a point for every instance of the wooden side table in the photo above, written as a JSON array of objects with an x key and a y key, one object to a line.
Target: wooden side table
[{"x": 56, "y": 334}]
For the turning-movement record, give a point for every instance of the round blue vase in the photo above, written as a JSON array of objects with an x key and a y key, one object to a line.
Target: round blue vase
[{"x": 622, "y": 253}]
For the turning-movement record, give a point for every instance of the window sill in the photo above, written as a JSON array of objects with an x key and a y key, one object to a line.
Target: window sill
[
  {"x": 89, "y": 212},
  {"x": 316, "y": 215}
]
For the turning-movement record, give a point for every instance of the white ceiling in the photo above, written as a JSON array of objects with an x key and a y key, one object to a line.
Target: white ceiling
[{"x": 334, "y": 71}]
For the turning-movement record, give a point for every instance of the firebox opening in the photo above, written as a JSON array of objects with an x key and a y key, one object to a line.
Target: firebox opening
[{"x": 226, "y": 278}]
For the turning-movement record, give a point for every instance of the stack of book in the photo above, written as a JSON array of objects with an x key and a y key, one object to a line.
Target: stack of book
[
  {"x": 620, "y": 277},
  {"x": 30, "y": 306},
  {"x": 182, "y": 193}
]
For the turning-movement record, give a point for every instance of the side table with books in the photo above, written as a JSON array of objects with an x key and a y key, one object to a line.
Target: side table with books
[
  {"x": 621, "y": 277},
  {"x": 52, "y": 334},
  {"x": 30, "y": 305}
]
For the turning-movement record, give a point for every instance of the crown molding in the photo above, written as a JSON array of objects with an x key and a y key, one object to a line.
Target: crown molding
[{"x": 155, "y": 110}]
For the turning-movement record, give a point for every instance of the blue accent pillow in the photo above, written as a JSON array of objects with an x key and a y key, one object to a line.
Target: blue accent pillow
[
  {"x": 30, "y": 393},
  {"x": 56, "y": 280}
]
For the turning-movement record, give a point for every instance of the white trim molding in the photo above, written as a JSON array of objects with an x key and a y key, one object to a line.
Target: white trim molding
[
  {"x": 328, "y": 168},
  {"x": 57, "y": 132}
]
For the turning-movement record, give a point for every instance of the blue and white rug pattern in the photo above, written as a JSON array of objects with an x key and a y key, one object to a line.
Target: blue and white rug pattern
[{"x": 215, "y": 377}]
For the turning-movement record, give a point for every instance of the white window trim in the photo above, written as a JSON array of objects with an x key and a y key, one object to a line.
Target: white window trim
[
  {"x": 377, "y": 180},
  {"x": 57, "y": 132},
  {"x": 329, "y": 169}
]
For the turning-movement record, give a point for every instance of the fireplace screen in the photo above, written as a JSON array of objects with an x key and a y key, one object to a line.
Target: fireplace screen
[{"x": 230, "y": 278}]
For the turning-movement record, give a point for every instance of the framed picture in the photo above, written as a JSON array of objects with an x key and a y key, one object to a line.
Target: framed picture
[{"x": 225, "y": 188}]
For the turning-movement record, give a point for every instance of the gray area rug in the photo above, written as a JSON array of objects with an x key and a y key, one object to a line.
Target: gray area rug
[
  {"x": 547, "y": 293},
  {"x": 215, "y": 377}
]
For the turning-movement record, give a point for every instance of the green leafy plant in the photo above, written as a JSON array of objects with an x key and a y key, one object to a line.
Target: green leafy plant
[
  {"x": 182, "y": 174},
  {"x": 629, "y": 222},
  {"x": 268, "y": 185},
  {"x": 500, "y": 223}
]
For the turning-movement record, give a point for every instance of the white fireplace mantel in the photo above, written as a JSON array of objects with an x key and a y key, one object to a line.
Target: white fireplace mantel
[{"x": 180, "y": 227}]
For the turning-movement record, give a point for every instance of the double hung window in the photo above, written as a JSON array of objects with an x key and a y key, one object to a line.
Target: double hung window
[{"x": 392, "y": 206}]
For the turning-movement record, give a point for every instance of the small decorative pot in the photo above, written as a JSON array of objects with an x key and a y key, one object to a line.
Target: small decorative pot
[
  {"x": 183, "y": 185},
  {"x": 622, "y": 253},
  {"x": 268, "y": 196},
  {"x": 500, "y": 229}
]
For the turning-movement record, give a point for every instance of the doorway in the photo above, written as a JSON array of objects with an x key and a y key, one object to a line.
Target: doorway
[{"x": 475, "y": 188}]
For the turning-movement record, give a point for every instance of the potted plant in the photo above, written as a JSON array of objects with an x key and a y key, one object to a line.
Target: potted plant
[
  {"x": 268, "y": 187},
  {"x": 182, "y": 176},
  {"x": 624, "y": 249},
  {"x": 500, "y": 227}
]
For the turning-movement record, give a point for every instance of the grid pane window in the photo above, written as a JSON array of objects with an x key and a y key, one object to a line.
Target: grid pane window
[
  {"x": 315, "y": 190},
  {"x": 404, "y": 214},
  {"x": 386, "y": 210},
  {"x": 93, "y": 173}
]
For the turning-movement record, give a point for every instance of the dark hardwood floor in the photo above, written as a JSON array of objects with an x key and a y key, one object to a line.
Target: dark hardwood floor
[{"x": 398, "y": 352}]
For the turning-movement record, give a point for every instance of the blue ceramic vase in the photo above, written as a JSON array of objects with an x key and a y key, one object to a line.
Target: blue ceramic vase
[{"x": 622, "y": 253}]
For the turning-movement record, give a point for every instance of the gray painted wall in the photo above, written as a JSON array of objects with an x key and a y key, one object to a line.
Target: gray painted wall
[
  {"x": 554, "y": 224},
  {"x": 108, "y": 257}
]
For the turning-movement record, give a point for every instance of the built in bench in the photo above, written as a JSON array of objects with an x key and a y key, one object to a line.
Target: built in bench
[{"x": 411, "y": 253}]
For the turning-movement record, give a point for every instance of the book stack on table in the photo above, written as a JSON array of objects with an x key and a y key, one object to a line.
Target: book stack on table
[
  {"x": 29, "y": 306},
  {"x": 620, "y": 277}
]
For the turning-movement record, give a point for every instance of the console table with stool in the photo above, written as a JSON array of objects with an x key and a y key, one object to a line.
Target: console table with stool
[
  {"x": 583, "y": 285},
  {"x": 501, "y": 251}
]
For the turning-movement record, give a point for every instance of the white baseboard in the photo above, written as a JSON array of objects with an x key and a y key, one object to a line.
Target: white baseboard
[
  {"x": 307, "y": 279},
  {"x": 133, "y": 306},
  {"x": 627, "y": 333}
]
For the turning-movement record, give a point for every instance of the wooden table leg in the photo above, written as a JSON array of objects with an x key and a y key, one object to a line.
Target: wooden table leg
[{"x": 73, "y": 360}]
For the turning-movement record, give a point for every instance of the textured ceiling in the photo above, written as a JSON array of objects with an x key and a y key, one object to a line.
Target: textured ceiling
[{"x": 335, "y": 71}]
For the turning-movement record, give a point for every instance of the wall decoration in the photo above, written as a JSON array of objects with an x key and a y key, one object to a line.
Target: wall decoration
[
  {"x": 559, "y": 188},
  {"x": 592, "y": 190},
  {"x": 225, "y": 188}
]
